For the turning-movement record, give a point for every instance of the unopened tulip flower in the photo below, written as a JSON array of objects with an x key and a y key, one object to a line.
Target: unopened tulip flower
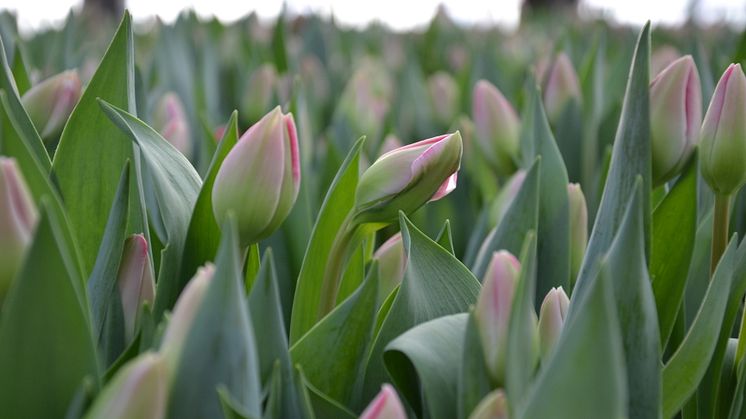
[
  {"x": 723, "y": 134},
  {"x": 551, "y": 318},
  {"x": 392, "y": 262},
  {"x": 183, "y": 315},
  {"x": 675, "y": 117},
  {"x": 408, "y": 177},
  {"x": 578, "y": 227},
  {"x": 497, "y": 126},
  {"x": 18, "y": 218},
  {"x": 662, "y": 57},
  {"x": 135, "y": 282},
  {"x": 493, "y": 406},
  {"x": 561, "y": 87},
  {"x": 386, "y": 405},
  {"x": 171, "y": 122},
  {"x": 260, "y": 177},
  {"x": 260, "y": 90},
  {"x": 505, "y": 197},
  {"x": 444, "y": 96},
  {"x": 51, "y": 102},
  {"x": 493, "y": 310},
  {"x": 138, "y": 390}
]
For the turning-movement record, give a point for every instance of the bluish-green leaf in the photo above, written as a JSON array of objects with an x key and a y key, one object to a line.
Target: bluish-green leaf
[{"x": 474, "y": 381}]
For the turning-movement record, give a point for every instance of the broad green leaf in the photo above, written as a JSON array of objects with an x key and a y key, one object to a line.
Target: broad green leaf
[
  {"x": 584, "y": 376},
  {"x": 688, "y": 365},
  {"x": 92, "y": 151},
  {"x": 630, "y": 158},
  {"x": 324, "y": 406},
  {"x": 474, "y": 382},
  {"x": 627, "y": 270},
  {"x": 520, "y": 218},
  {"x": 435, "y": 284},
  {"x": 333, "y": 353},
  {"x": 220, "y": 348},
  {"x": 46, "y": 344},
  {"x": 173, "y": 185},
  {"x": 337, "y": 204},
  {"x": 674, "y": 229},
  {"x": 106, "y": 305},
  {"x": 230, "y": 407},
  {"x": 424, "y": 365},
  {"x": 553, "y": 233},
  {"x": 20, "y": 75},
  {"x": 445, "y": 238}
]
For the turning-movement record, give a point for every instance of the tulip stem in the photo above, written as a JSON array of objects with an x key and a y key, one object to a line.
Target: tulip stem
[
  {"x": 719, "y": 230},
  {"x": 346, "y": 241}
]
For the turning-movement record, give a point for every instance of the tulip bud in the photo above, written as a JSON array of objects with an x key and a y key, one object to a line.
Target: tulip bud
[
  {"x": 493, "y": 310},
  {"x": 259, "y": 92},
  {"x": 51, "y": 102},
  {"x": 138, "y": 390},
  {"x": 578, "y": 227},
  {"x": 17, "y": 221},
  {"x": 723, "y": 134},
  {"x": 392, "y": 262},
  {"x": 662, "y": 57},
  {"x": 561, "y": 87},
  {"x": 135, "y": 281},
  {"x": 506, "y": 196},
  {"x": 386, "y": 405},
  {"x": 444, "y": 96},
  {"x": 675, "y": 117},
  {"x": 171, "y": 122},
  {"x": 184, "y": 313},
  {"x": 408, "y": 177},
  {"x": 390, "y": 143},
  {"x": 260, "y": 177},
  {"x": 497, "y": 126},
  {"x": 493, "y": 406},
  {"x": 551, "y": 318}
]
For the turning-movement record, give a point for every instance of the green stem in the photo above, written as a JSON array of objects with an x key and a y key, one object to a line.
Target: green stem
[
  {"x": 346, "y": 241},
  {"x": 719, "y": 230}
]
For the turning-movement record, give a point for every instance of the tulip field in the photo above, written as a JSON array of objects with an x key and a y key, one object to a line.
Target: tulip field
[{"x": 297, "y": 219}]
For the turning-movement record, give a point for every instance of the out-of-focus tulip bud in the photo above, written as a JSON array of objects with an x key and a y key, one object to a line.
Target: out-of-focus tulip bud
[
  {"x": 51, "y": 102},
  {"x": 18, "y": 218},
  {"x": 560, "y": 88},
  {"x": 551, "y": 318},
  {"x": 493, "y": 310},
  {"x": 662, "y": 57},
  {"x": 390, "y": 143},
  {"x": 497, "y": 126},
  {"x": 366, "y": 99},
  {"x": 170, "y": 120},
  {"x": 135, "y": 282},
  {"x": 260, "y": 177},
  {"x": 444, "y": 96},
  {"x": 408, "y": 177},
  {"x": 259, "y": 92},
  {"x": 675, "y": 117},
  {"x": 183, "y": 315},
  {"x": 392, "y": 262},
  {"x": 578, "y": 227},
  {"x": 493, "y": 406},
  {"x": 386, "y": 405},
  {"x": 138, "y": 390},
  {"x": 505, "y": 197},
  {"x": 723, "y": 134}
]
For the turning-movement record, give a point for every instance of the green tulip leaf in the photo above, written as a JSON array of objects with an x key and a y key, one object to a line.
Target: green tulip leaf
[{"x": 474, "y": 381}]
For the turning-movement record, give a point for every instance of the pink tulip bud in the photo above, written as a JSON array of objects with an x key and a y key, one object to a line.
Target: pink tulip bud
[
  {"x": 505, "y": 197},
  {"x": 260, "y": 177},
  {"x": 551, "y": 318},
  {"x": 493, "y": 406},
  {"x": 578, "y": 227},
  {"x": 171, "y": 122},
  {"x": 392, "y": 262},
  {"x": 182, "y": 317},
  {"x": 18, "y": 218},
  {"x": 497, "y": 126},
  {"x": 386, "y": 405},
  {"x": 493, "y": 310},
  {"x": 444, "y": 96},
  {"x": 561, "y": 87},
  {"x": 390, "y": 143},
  {"x": 675, "y": 117},
  {"x": 138, "y": 390},
  {"x": 408, "y": 177},
  {"x": 260, "y": 90},
  {"x": 662, "y": 57},
  {"x": 51, "y": 102},
  {"x": 723, "y": 135},
  {"x": 135, "y": 281}
]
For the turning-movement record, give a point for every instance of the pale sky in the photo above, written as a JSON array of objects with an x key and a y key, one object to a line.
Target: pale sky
[{"x": 398, "y": 14}]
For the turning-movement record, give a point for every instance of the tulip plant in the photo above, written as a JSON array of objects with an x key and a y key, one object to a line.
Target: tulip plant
[{"x": 459, "y": 223}]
